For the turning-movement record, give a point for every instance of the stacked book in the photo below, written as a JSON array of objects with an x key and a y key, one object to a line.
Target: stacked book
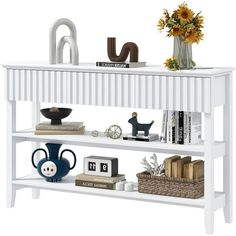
[
  {"x": 178, "y": 167},
  {"x": 181, "y": 127},
  {"x": 66, "y": 128},
  {"x": 94, "y": 181}
]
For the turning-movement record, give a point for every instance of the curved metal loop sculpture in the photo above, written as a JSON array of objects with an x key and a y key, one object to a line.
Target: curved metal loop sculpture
[
  {"x": 128, "y": 48},
  {"x": 52, "y": 38}
]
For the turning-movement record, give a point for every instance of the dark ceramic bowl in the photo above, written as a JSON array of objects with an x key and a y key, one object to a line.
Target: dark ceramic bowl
[{"x": 56, "y": 116}]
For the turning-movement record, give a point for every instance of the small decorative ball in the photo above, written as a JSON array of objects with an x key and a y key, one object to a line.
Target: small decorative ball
[{"x": 95, "y": 133}]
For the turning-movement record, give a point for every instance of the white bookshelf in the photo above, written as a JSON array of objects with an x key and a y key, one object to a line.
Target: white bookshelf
[{"x": 150, "y": 87}]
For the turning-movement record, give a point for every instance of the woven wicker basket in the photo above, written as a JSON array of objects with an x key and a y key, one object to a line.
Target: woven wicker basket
[{"x": 169, "y": 186}]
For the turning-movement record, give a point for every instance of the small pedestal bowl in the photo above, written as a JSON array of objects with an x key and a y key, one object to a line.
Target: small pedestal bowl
[{"x": 55, "y": 115}]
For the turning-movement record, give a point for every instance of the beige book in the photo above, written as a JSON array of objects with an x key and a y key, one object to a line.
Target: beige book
[
  {"x": 60, "y": 132},
  {"x": 186, "y": 171},
  {"x": 100, "y": 179},
  {"x": 68, "y": 126},
  {"x": 198, "y": 170},
  {"x": 191, "y": 168},
  {"x": 180, "y": 164},
  {"x": 168, "y": 164}
]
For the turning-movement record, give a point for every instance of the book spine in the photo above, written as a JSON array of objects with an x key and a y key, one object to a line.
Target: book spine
[
  {"x": 195, "y": 127},
  {"x": 186, "y": 128},
  {"x": 108, "y": 64},
  {"x": 190, "y": 127},
  {"x": 176, "y": 127},
  {"x": 164, "y": 127},
  {"x": 173, "y": 122},
  {"x": 169, "y": 127},
  {"x": 92, "y": 184},
  {"x": 181, "y": 127}
]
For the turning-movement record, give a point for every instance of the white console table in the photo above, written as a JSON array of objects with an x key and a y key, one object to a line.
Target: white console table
[{"x": 150, "y": 87}]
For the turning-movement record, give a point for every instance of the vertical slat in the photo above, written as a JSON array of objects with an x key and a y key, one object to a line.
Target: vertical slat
[
  {"x": 58, "y": 86},
  {"x": 53, "y": 86},
  {"x": 192, "y": 95},
  {"x": 74, "y": 88},
  {"x": 35, "y": 86},
  {"x": 41, "y": 86},
  {"x": 86, "y": 91},
  {"x": 199, "y": 95},
  {"x": 113, "y": 94},
  {"x": 149, "y": 91},
  {"x": 207, "y": 95},
  {"x": 29, "y": 85},
  {"x": 126, "y": 86},
  {"x": 64, "y": 87},
  {"x": 6, "y": 78},
  {"x": 171, "y": 91},
  {"x": 81, "y": 87},
  {"x": 106, "y": 92},
  {"x": 23, "y": 84},
  {"x": 11, "y": 85},
  {"x": 132, "y": 83},
  {"x": 143, "y": 89},
  {"x": 184, "y": 88},
  {"x": 157, "y": 91},
  {"x": 177, "y": 94},
  {"x": 69, "y": 87},
  {"x": 164, "y": 99},
  {"x": 100, "y": 89},
  {"x": 17, "y": 84},
  {"x": 47, "y": 86},
  {"x": 119, "y": 90}
]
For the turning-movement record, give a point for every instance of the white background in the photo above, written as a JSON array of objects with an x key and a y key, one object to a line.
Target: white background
[{"x": 24, "y": 27}]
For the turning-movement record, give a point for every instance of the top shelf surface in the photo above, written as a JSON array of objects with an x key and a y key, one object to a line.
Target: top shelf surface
[{"x": 149, "y": 69}]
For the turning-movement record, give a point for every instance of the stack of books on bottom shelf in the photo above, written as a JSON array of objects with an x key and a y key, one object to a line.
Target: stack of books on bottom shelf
[
  {"x": 66, "y": 128},
  {"x": 94, "y": 181}
]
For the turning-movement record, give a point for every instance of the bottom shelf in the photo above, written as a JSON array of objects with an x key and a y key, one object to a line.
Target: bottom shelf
[{"x": 68, "y": 185}]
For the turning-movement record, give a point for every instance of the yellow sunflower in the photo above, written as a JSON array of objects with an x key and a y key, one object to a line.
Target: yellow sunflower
[
  {"x": 193, "y": 36},
  {"x": 176, "y": 30},
  {"x": 184, "y": 13},
  {"x": 200, "y": 20},
  {"x": 161, "y": 24}
]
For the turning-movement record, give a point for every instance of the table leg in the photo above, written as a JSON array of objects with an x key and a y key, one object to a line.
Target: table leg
[
  {"x": 209, "y": 172},
  {"x": 11, "y": 153},
  {"x": 227, "y": 159},
  {"x": 35, "y": 120}
]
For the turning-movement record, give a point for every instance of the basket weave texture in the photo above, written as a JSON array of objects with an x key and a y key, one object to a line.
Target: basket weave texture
[{"x": 169, "y": 186}]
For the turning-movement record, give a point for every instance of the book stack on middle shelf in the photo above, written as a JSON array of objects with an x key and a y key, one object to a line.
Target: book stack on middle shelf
[
  {"x": 99, "y": 172},
  {"x": 181, "y": 127},
  {"x": 66, "y": 128}
]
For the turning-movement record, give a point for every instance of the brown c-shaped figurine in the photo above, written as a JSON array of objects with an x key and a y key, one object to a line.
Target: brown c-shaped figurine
[{"x": 127, "y": 48}]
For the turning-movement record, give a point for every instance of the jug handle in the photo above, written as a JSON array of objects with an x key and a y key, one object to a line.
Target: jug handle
[
  {"x": 68, "y": 150},
  {"x": 32, "y": 157}
]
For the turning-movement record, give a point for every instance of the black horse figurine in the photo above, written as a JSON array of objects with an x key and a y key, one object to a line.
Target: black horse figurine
[{"x": 139, "y": 127}]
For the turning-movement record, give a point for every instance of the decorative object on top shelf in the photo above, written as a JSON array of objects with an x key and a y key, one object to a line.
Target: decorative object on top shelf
[
  {"x": 153, "y": 168},
  {"x": 128, "y": 48},
  {"x": 53, "y": 167},
  {"x": 101, "y": 166},
  {"x": 56, "y": 114},
  {"x": 114, "y": 131},
  {"x": 119, "y": 61},
  {"x": 56, "y": 52},
  {"x": 136, "y": 127},
  {"x": 186, "y": 28}
]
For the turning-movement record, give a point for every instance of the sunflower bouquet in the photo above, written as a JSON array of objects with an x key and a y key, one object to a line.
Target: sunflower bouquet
[{"x": 183, "y": 24}]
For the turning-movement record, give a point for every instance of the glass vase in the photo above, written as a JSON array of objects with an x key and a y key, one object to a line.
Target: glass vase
[{"x": 183, "y": 53}]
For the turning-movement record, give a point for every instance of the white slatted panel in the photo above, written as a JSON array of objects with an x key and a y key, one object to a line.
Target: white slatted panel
[{"x": 106, "y": 89}]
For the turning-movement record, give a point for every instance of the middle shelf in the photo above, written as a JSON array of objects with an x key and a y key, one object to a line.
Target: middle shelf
[{"x": 104, "y": 142}]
